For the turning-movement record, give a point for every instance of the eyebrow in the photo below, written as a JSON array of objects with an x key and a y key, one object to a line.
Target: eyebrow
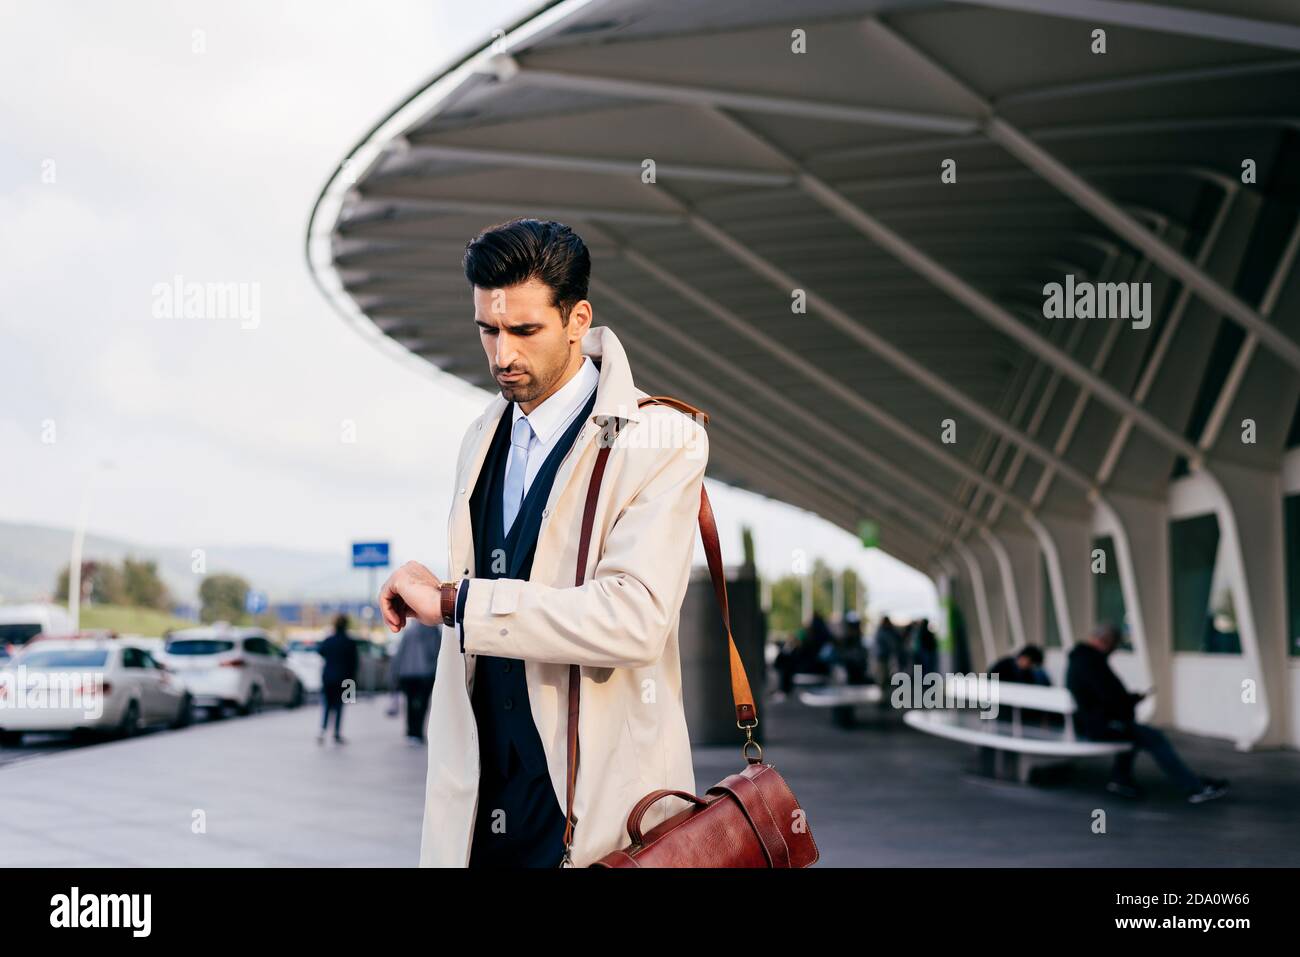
[{"x": 519, "y": 327}]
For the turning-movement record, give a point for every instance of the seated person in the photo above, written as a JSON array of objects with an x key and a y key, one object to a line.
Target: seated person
[
  {"x": 1105, "y": 713},
  {"x": 1025, "y": 667}
]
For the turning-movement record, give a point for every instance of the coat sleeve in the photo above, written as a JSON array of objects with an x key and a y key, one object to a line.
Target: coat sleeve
[{"x": 622, "y": 615}]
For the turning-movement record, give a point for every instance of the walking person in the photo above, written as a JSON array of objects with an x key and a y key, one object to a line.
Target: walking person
[
  {"x": 413, "y": 668},
  {"x": 340, "y": 654},
  {"x": 521, "y": 628}
]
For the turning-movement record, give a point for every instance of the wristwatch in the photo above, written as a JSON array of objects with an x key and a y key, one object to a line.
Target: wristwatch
[{"x": 448, "y": 591}]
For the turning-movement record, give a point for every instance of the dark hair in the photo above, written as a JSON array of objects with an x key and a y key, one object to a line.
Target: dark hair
[
  {"x": 341, "y": 624},
  {"x": 1032, "y": 652},
  {"x": 512, "y": 253}
]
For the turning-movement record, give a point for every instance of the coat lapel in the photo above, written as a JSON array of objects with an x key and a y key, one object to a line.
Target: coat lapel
[
  {"x": 616, "y": 398},
  {"x": 462, "y": 528}
]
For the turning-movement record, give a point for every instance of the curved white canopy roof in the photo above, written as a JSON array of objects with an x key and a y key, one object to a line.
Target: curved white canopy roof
[{"x": 820, "y": 171}]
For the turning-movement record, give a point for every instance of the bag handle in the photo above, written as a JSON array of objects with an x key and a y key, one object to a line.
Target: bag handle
[
  {"x": 643, "y": 805},
  {"x": 741, "y": 695}
]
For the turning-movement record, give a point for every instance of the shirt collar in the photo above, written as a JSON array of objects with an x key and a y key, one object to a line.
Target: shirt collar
[{"x": 559, "y": 408}]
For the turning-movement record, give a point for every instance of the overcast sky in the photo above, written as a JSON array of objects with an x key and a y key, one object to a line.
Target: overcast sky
[{"x": 144, "y": 141}]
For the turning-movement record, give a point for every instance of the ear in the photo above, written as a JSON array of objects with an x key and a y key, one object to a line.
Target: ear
[{"x": 579, "y": 320}]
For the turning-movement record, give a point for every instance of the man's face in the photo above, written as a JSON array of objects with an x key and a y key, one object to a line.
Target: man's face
[
  {"x": 1108, "y": 641},
  {"x": 527, "y": 346},
  {"x": 1025, "y": 663}
]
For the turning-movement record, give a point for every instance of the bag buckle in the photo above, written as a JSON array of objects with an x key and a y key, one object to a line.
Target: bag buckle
[{"x": 749, "y": 741}]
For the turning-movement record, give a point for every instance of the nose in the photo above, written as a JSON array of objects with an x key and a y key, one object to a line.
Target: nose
[{"x": 506, "y": 351}]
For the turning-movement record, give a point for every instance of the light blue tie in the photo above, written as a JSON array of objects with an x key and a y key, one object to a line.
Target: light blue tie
[{"x": 520, "y": 438}]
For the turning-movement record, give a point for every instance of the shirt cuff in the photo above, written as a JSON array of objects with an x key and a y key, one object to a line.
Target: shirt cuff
[{"x": 461, "y": 594}]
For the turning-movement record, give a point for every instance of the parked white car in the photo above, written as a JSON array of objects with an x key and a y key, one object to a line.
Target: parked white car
[
  {"x": 87, "y": 684},
  {"x": 373, "y": 664},
  {"x": 306, "y": 663},
  {"x": 19, "y": 624},
  {"x": 223, "y": 666}
]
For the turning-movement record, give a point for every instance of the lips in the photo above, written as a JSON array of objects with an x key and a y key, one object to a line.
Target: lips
[{"x": 512, "y": 377}]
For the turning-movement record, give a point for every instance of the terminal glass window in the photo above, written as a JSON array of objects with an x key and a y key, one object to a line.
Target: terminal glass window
[
  {"x": 1051, "y": 634},
  {"x": 1203, "y": 616}
]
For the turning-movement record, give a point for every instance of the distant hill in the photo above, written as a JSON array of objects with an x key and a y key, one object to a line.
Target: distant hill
[{"x": 32, "y": 555}]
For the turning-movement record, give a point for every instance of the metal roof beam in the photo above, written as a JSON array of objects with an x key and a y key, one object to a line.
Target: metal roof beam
[
  {"x": 788, "y": 357},
  {"x": 800, "y": 452},
  {"x": 1161, "y": 18},
  {"x": 777, "y": 435},
  {"x": 981, "y": 305},
  {"x": 1098, "y": 203},
  {"x": 707, "y": 96}
]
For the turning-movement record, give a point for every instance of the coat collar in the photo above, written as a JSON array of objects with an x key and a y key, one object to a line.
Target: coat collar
[
  {"x": 616, "y": 395},
  {"x": 616, "y": 400}
]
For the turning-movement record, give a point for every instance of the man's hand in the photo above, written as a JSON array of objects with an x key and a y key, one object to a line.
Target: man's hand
[{"x": 412, "y": 590}]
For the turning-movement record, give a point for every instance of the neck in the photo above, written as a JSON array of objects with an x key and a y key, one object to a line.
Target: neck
[{"x": 575, "y": 363}]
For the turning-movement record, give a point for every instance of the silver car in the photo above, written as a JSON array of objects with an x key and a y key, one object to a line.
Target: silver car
[{"x": 87, "y": 684}]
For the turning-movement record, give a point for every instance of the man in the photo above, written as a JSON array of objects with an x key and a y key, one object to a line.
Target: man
[
  {"x": 925, "y": 645},
  {"x": 340, "y": 654},
  {"x": 1105, "y": 713},
  {"x": 1026, "y": 667},
  {"x": 414, "y": 665},
  {"x": 888, "y": 646},
  {"x": 496, "y": 786}
]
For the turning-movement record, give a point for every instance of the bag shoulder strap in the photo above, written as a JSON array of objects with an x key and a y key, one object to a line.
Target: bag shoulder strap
[{"x": 742, "y": 696}]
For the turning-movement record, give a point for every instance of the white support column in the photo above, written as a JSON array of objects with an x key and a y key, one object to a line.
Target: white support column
[
  {"x": 1249, "y": 510},
  {"x": 1066, "y": 544},
  {"x": 1010, "y": 588},
  {"x": 982, "y": 623},
  {"x": 1139, "y": 528}
]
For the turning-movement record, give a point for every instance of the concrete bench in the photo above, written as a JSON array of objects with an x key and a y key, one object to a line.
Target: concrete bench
[
  {"x": 807, "y": 679},
  {"x": 1023, "y": 744},
  {"x": 841, "y": 699}
]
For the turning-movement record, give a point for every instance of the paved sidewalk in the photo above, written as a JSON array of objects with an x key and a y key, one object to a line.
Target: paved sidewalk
[
  {"x": 270, "y": 794},
  {"x": 885, "y": 795},
  {"x": 878, "y": 795}
]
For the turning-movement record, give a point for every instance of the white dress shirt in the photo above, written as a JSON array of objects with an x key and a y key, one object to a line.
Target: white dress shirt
[{"x": 549, "y": 420}]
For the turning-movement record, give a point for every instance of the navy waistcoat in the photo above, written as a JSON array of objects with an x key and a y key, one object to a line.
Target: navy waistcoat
[{"x": 513, "y": 771}]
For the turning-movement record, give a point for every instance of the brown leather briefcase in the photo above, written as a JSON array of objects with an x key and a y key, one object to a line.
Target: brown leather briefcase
[{"x": 748, "y": 819}]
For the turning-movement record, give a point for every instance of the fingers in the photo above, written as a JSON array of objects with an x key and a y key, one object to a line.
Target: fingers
[
  {"x": 391, "y": 605},
  {"x": 410, "y": 592}
]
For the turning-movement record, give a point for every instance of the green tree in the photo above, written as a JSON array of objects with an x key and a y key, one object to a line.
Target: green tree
[
  {"x": 786, "y": 614},
  {"x": 102, "y": 582},
  {"x": 143, "y": 587},
  {"x": 222, "y": 598}
]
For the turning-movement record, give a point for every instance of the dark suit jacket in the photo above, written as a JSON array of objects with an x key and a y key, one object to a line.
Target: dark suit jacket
[
  {"x": 1105, "y": 706},
  {"x": 340, "y": 654}
]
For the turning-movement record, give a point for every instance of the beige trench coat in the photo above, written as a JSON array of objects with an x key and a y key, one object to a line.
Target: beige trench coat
[{"x": 620, "y": 626}]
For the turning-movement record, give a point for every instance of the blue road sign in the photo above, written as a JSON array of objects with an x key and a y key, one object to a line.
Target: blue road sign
[
  {"x": 255, "y": 602},
  {"x": 369, "y": 554}
]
